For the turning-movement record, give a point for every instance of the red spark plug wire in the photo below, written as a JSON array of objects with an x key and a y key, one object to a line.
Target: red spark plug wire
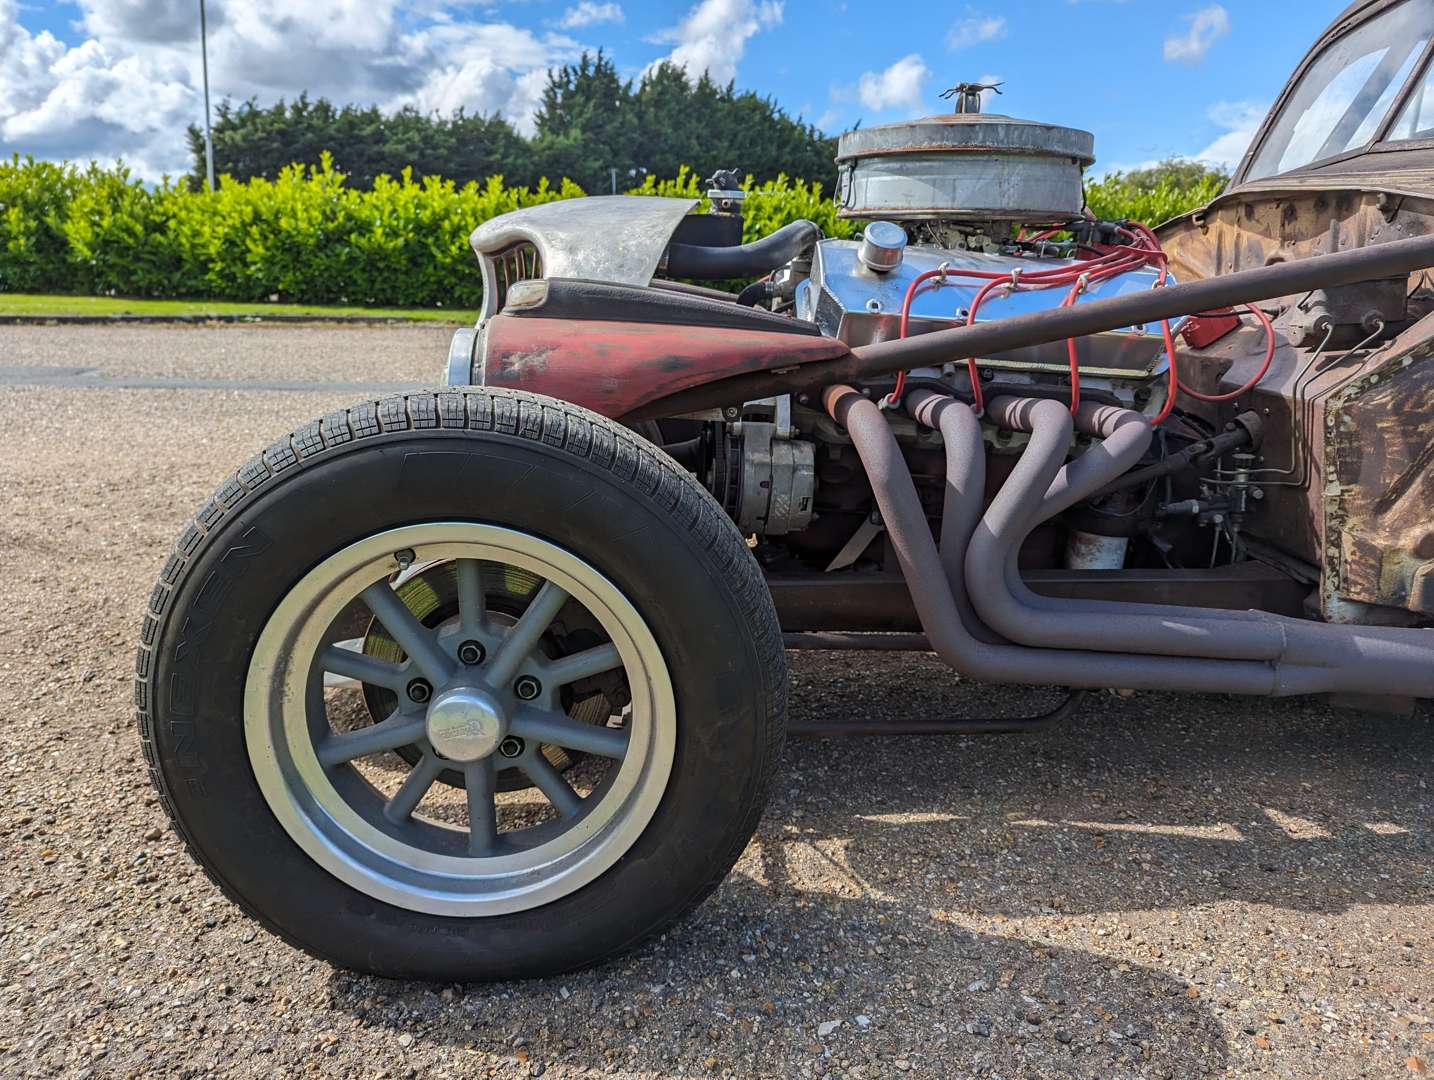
[
  {"x": 1107, "y": 264},
  {"x": 1175, "y": 383},
  {"x": 978, "y": 403},
  {"x": 1104, "y": 262},
  {"x": 1255, "y": 380}
]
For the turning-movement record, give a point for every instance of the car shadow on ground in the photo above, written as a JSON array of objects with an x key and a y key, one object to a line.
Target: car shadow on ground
[
  {"x": 767, "y": 981},
  {"x": 1152, "y": 802},
  {"x": 877, "y": 890}
]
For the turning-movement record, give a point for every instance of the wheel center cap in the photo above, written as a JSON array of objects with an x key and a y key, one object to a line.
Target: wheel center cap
[{"x": 466, "y": 724}]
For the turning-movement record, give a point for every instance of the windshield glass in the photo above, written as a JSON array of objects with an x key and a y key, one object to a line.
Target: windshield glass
[
  {"x": 1416, "y": 121},
  {"x": 1341, "y": 98}
]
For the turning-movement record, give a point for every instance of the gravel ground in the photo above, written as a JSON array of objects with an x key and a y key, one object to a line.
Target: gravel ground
[{"x": 1169, "y": 887}]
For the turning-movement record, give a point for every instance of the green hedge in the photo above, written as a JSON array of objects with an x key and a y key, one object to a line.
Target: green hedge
[
  {"x": 304, "y": 237},
  {"x": 308, "y": 238},
  {"x": 1153, "y": 195}
]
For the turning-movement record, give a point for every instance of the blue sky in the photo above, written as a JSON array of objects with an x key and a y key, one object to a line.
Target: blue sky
[{"x": 1151, "y": 78}]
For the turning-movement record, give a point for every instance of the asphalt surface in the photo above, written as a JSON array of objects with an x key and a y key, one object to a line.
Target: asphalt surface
[{"x": 1167, "y": 887}]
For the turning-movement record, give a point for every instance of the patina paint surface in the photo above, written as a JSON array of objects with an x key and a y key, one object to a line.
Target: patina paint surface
[{"x": 615, "y": 367}]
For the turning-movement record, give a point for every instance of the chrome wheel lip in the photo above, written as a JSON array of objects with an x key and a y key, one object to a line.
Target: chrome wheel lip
[{"x": 278, "y": 695}]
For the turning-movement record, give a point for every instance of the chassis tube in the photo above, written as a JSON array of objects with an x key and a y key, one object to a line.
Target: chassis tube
[{"x": 1355, "y": 659}]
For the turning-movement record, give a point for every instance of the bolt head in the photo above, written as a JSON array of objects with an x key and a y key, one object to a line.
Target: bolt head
[
  {"x": 419, "y": 690},
  {"x": 471, "y": 652},
  {"x": 511, "y": 747},
  {"x": 527, "y": 687}
]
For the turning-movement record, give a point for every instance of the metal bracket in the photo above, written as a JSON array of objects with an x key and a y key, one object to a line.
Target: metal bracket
[{"x": 860, "y": 540}]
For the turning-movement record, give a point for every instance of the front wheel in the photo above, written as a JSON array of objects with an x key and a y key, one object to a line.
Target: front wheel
[{"x": 495, "y": 590}]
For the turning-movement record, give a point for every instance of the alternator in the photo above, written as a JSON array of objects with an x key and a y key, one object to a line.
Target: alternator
[{"x": 764, "y": 478}]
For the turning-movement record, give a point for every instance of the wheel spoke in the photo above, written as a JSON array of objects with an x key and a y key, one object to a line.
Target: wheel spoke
[
  {"x": 542, "y": 725},
  {"x": 472, "y": 607},
  {"x": 524, "y": 635},
  {"x": 364, "y": 669},
  {"x": 478, "y": 777},
  {"x": 414, "y": 638},
  {"x": 407, "y": 797},
  {"x": 594, "y": 661},
  {"x": 400, "y": 729},
  {"x": 551, "y": 783}
]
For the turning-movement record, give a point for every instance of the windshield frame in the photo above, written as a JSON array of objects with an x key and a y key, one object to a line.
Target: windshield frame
[{"x": 1353, "y": 19}]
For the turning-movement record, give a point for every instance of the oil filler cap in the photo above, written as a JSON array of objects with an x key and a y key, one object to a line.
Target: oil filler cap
[{"x": 882, "y": 246}]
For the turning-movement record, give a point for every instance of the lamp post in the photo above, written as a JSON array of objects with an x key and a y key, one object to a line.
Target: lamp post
[{"x": 208, "y": 132}]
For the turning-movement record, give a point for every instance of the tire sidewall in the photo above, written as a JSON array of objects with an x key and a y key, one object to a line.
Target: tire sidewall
[{"x": 671, "y": 574}]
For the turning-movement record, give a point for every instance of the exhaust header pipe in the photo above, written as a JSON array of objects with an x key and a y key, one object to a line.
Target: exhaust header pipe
[{"x": 1276, "y": 657}]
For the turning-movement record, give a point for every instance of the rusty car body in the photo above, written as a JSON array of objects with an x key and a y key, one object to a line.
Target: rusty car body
[{"x": 488, "y": 681}]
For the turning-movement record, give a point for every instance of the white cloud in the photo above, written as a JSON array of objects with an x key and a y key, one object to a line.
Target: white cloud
[
  {"x": 1202, "y": 30},
  {"x": 588, "y": 13},
  {"x": 131, "y": 85},
  {"x": 975, "y": 29},
  {"x": 713, "y": 35},
  {"x": 1240, "y": 120},
  {"x": 900, "y": 86},
  {"x": 58, "y": 101}
]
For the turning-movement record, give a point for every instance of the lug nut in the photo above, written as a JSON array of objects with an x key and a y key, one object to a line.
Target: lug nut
[
  {"x": 511, "y": 747},
  {"x": 471, "y": 652},
  {"x": 527, "y": 688},
  {"x": 419, "y": 690}
]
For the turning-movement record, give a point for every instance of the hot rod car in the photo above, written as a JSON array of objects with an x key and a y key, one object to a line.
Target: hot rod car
[{"x": 488, "y": 681}]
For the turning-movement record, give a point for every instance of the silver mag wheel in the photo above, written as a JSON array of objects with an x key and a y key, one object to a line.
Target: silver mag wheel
[
  {"x": 480, "y": 693},
  {"x": 461, "y": 686}
]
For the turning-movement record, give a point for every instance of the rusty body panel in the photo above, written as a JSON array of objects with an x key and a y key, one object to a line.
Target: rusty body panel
[
  {"x": 1378, "y": 488},
  {"x": 1244, "y": 229},
  {"x": 1347, "y": 465},
  {"x": 614, "y": 368},
  {"x": 1347, "y": 469}
]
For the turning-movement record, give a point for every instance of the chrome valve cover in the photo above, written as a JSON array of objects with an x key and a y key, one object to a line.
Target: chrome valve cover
[{"x": 860, "y": 306}]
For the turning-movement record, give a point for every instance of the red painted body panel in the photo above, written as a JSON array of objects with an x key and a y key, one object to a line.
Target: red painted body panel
[{"x": 616, "y": 367}]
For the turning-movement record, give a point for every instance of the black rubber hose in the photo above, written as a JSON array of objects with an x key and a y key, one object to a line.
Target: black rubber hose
[
  {"x": 1211, "y": 449},
  {"x": 745, "y": 260},
  {"x": 755, "y": 293},
  {"x": 687, "y": 453}
]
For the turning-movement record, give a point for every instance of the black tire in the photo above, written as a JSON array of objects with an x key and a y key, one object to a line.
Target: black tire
[{"x": 588, "y": 485}]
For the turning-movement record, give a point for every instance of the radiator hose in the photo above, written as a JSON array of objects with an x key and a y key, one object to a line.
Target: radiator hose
[{"x": 745, "y": 260}]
